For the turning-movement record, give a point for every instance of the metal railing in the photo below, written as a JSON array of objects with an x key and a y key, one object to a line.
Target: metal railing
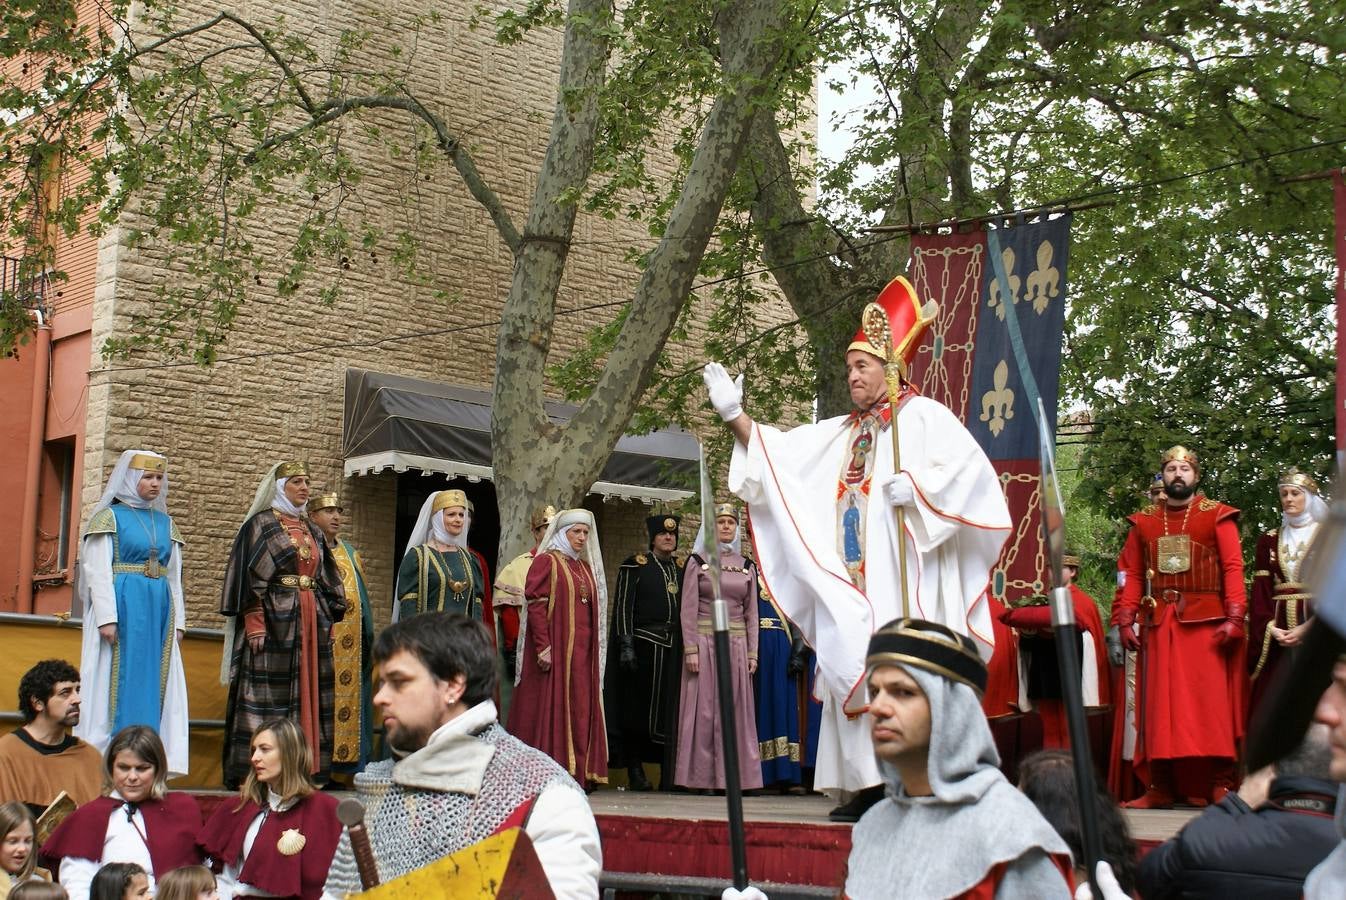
[{"x": 31, "y": 290}]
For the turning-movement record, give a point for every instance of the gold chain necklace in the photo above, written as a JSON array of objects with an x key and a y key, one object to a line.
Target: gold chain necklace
[
  {"x": 152, "y": 568},
  {"x": 305, "y": 549},
  {"x": 1174, "y": 552}
]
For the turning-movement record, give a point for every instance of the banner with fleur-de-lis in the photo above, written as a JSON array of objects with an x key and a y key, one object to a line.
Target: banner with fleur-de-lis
[{"x": 971, "y": 363}]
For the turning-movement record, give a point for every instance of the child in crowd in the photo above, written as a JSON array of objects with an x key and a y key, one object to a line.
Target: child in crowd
[
  {"x": 18, "y": 861},
  {"x": 188, "y": 883},
  {"x": 120, "y": 881}
]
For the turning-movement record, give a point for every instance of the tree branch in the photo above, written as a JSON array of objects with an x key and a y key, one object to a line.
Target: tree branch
[{"x": 451, "y": 146}]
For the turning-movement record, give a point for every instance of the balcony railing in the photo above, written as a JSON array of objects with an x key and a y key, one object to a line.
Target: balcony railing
[{"x": 30, "y": 289}]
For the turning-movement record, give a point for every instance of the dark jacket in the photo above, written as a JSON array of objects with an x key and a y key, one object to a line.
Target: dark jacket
[{"x": 1231, "y": 850}]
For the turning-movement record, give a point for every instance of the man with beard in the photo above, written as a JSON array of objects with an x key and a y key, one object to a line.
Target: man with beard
[
  {"x": 645, "y": 662},
  {"x": 457, "y": 777},
  {"x": 41, "y": 759},
  {"x": 1191, "y": 682},
  {"x": 822, "y": 499}
]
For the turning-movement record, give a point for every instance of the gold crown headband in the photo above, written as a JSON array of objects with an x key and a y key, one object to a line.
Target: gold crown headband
[
  {"x": 1179, "y": 452},
  {"x": 726, "y": 509},
  {"x": 324, "y": 501},
  {"x": 447, "y": 499},
  {"x": 542, "y": 517},
  {"x": 148, "y": 462},
  {"x": 292, "y": 469},
  {"x": 1293, "y": 476}
]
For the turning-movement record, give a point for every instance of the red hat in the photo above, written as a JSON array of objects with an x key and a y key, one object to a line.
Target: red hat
[{"x": 904, "y": 322}]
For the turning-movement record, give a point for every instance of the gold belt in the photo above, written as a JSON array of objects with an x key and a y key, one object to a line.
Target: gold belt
[
  {"x": 303, "y": 582},
  {"x": 149, "y": 568},
  {"x": 706, "y": 626}
]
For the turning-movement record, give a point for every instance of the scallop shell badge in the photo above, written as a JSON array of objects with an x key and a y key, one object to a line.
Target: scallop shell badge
[{"x": 291, "y": 842}]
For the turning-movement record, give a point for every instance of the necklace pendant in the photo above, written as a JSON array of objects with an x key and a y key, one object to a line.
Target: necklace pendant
[
  {"x": 152, "y": 568},
  {"x": 305, "y": 552}
]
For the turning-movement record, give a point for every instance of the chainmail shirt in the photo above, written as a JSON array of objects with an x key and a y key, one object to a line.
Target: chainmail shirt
[{"x": 413, "y": 827}]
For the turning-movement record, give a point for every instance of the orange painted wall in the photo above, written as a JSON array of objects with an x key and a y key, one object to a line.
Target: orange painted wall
[{"x": 16, "y": 387}]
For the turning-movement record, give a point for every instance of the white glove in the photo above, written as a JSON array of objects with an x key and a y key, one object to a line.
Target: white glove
[
  {"x": 748, "y": 893},
  {"x": 898, "y": 490},
  {"x": 1107, "y": 885},
  {"x": 726, "y": 394}
]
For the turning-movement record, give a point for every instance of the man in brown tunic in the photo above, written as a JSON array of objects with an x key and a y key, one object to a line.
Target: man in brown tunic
[{"x": 41, "y": 758}]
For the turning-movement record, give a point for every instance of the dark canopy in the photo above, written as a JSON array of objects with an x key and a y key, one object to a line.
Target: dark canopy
[{"x": 401, "y": 423}]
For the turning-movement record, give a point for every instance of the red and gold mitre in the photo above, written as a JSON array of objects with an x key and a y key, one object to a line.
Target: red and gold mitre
[
  {"x": 1178, "y": 451},
  {"x": 907, "y": 321}
]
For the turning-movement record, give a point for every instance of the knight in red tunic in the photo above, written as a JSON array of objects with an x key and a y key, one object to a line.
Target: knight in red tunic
[{"x": 1181, "y": 574}]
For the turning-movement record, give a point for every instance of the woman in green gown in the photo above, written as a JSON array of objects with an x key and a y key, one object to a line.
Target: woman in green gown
[{"x": 439, "y": 571}]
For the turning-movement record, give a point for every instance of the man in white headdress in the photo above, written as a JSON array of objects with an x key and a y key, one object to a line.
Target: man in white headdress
[
  {"x": 130, "y": 589},
  {"x": 821, "y": 500}
]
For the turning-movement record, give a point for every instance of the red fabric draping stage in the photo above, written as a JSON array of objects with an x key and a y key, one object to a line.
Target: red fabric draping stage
[
  {"x": 788, "y": 852},
  {"x": 678, "y": 835}
]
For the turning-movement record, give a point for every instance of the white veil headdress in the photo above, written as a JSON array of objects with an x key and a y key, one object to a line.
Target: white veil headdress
[
  {"x": 264, "y": 498},
  {"x": 735, "y": 546},
  {"x": 430, "y": 523},
  {"x": 121, "y": 485},
  {"x": 1301, "y": 529},
  {"x": 270, "y": 494},
  {"x": 592, "y": 554}
]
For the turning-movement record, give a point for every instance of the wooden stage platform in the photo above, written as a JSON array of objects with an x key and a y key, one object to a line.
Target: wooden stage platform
[{"x": 790, "y": 839}]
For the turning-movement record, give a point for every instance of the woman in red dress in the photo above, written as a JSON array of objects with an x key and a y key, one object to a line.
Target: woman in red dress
[{"x": 558, "y": 706}]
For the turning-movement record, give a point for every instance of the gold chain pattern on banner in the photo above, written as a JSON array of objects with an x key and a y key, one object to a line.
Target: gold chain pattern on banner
[
  {"x": 937, "y": 384},
  {"x": 1025, "y": 527}
]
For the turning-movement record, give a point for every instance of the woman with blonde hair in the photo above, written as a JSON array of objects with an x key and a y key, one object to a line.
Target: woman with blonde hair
[
  {"x": 18, "y": 856},
  {"x": 189, "y": 883},
  {"x": 138, "y": 822},
  {"x": 279, "y": 839}
]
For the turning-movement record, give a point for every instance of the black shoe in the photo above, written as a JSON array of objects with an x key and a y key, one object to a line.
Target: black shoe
[
  {"x": 635, "y": 776},
  {"x": 857, "y": 806}
]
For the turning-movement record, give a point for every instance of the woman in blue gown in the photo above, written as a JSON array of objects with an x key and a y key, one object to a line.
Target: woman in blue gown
[
  {"x": 130, "y": 589},
  {"x": 777, "y": 692}
]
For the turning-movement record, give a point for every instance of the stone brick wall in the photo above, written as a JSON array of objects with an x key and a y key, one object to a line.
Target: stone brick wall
[{"x": 224, "y": 426}]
